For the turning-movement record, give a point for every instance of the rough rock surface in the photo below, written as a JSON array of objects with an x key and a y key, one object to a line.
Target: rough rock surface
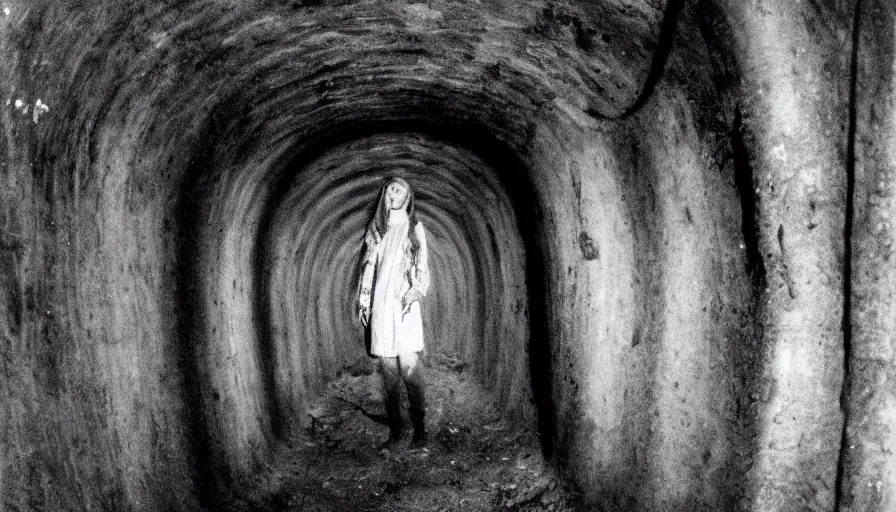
[
  {"x": 662, "y": 234},
  {"x": 475, "y": 460}
]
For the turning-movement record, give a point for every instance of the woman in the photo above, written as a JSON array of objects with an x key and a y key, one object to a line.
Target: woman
[{"x": 394, "y": 279}]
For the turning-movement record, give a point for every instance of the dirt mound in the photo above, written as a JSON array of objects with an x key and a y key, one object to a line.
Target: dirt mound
[{"x": 475, "y": 460}]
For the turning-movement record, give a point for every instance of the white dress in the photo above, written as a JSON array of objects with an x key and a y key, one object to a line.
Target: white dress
[{"x": 388, "y": 260}]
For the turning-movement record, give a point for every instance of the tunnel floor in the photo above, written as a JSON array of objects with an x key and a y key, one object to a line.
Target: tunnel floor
[{"x": 475, "y": 460}]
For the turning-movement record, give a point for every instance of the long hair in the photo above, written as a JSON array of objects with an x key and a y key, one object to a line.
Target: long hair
[{"x": 377, "y": 224}]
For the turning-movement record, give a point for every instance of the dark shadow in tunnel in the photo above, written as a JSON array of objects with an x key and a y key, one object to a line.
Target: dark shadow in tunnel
[
  {"x": 185, "y": 283},
  {"x": 746, "y": 186},
  {"x": 513, "y": 176},
  {"x": 530, "y": 221},
  {"x": 191, "y": 322},
  {"x": 843, "y": 497}
]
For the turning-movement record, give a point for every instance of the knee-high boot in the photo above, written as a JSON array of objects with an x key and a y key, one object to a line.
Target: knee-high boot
[
  {"x": 392, "y": 388},
  {"x": 417, "y": 405},
  {"x": 418, "y": 419}
]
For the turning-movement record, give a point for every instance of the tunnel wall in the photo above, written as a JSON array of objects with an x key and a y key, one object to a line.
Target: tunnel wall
[
  {"x": 691, "y": 225},
  {"x": 795, "y": 99},
  {"x": 645, "y": 344},
  {"x": 869, "y": 466},
  {"x": 98, "y": 404},
  {"x": 476, "y": 310}
]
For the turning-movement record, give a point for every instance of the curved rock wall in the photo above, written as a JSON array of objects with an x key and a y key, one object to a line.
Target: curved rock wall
[
  {"x": 794, "y": 93},
  {"x": 651, "y": 202},
  {"x": 477, "y": 308},
  {"x": 869, "y": 465}
]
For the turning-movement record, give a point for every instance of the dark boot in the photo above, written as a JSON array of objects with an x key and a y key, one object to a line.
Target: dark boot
[
  {"x": 394, "y": 438},
  {"x": 395, "y": 427},
  {"x": 418, "y": 419},
  {"x": 412, "y": 372},
  {"x": 392, "y": 388}
]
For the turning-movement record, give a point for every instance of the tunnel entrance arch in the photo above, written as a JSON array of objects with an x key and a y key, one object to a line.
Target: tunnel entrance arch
[
  {"x": 223, "y": 218},
  {"x": 509, "y": 178}
]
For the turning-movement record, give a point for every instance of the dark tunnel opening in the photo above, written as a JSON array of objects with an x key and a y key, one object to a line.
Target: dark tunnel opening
[{"x": 513, "y": 177}]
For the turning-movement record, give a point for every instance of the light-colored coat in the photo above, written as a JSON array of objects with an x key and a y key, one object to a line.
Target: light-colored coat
[{"x": 389, "y": 272}]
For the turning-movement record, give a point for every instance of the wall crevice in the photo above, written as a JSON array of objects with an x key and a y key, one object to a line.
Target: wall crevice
[{"x": 848, "y": 222}]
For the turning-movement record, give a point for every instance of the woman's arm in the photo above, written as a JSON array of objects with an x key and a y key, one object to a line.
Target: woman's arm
[
  {"x": 420, "y": 277},
  {"x": 368, "y": 266},
  {"x": 366, "y": 285}
]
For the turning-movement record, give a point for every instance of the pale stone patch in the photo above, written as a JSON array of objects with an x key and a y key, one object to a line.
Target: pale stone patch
[{"x": 40, "y": 108}]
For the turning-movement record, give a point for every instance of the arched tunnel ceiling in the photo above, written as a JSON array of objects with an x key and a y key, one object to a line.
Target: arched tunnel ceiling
[
  {"x": 477, "y": 309},
  {"x": 597, "y": 54},
  {"x": 686, "y": 223}
]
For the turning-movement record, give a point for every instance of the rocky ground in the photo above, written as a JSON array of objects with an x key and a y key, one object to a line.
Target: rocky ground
[{"x": 475, "y": 460}]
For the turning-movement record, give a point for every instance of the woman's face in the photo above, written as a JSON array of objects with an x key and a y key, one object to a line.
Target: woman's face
[{"x": 396, "y": 195}]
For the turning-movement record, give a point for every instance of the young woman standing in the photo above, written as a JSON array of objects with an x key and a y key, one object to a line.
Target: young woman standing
[{"x": 394, "y": 279}]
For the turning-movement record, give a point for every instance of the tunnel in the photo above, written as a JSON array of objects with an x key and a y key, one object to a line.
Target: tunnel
[
  {"x": 660, "y": 236},
  {"x": 481, "y": 294}
]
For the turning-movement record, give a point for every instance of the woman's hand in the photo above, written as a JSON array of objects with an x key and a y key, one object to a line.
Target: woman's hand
[
  {"x": 409, "y": 298},
  {"x": 364, "y": 315}
]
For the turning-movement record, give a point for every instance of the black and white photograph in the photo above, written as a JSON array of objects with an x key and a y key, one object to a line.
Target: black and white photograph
[{"x": 448, "y": 255}]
